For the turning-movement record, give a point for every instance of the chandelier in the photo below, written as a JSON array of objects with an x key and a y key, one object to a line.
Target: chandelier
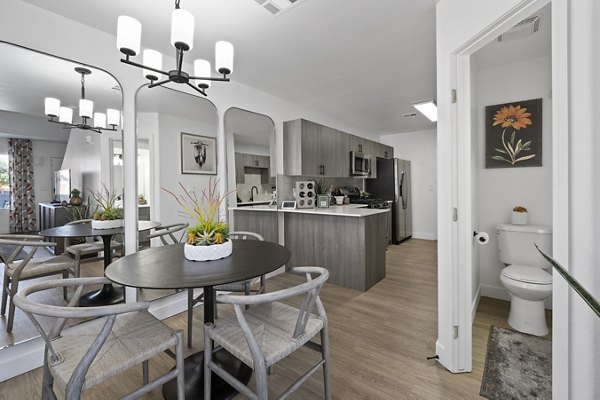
[
  {"x": 64, "y": 115},
  {"x": 129, "y": 33}
]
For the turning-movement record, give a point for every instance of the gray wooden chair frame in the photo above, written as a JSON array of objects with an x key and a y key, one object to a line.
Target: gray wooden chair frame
[
  {"x": 165, "y": 231},
  {"x": 79, "y": 368},
  {"x": 241, "y": 286},
  {"x": 59, "y": 264},
  {"x": 89, "y": 247},
  {"x": 310, "y": 290}
]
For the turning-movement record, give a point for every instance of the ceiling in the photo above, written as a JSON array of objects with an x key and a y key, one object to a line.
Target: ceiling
[{"x": 362, "y": 62}]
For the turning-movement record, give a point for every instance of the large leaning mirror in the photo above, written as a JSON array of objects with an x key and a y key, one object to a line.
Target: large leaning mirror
[
  {"x": 43, "y": 163},
  {"x": 250, "y": 157},
  {"x": 174, "y": 129}
]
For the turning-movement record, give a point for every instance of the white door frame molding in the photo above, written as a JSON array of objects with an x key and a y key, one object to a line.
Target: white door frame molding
[{"x": 460, "y": 294}]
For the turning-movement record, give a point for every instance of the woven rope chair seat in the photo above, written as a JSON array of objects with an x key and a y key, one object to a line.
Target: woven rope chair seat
[
  {"x": 135, "y": 337},
  {"x": 272, "y": 325},
  {"x": 41, "y": 266},
  {"x": 89, "y": 248}
]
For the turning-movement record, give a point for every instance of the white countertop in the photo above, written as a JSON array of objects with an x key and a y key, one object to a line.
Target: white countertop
[
  {"x": 251, "y": 203},
  {"x": 256, "y": 207},
  {"x": 348, "y": 210}
]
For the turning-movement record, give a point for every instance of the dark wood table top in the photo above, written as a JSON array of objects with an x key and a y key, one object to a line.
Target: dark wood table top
[
  {"x": 79, "y": 230},
  {"x": 167, "y": 268}
]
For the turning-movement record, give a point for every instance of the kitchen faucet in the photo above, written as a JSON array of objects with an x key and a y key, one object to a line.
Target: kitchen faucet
[{"x": 252, "y": 192}]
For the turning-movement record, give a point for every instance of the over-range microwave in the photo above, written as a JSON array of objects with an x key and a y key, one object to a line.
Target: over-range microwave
[{"x": 360, "y": 165}]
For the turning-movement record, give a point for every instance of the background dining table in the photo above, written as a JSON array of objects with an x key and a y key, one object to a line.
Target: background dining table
[
  {"x": 166, "y": 268},
  {"x": 108, "y": 294}
]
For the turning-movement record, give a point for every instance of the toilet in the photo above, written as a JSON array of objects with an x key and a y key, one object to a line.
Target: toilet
[{"x": 527, "y": 275}]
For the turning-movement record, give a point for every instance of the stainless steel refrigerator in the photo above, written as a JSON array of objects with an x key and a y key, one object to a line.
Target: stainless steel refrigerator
[{"x": 393, "y": 183}]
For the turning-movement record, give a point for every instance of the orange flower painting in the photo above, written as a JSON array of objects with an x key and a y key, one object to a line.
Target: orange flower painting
[{"x": 514, "y": 134}]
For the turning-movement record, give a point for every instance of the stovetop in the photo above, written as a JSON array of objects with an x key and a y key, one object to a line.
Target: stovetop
[{"x": 371, "y": 203}]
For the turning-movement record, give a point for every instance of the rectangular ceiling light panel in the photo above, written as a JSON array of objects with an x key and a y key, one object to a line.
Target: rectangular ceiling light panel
[
  {"x": 428, "y": 109},
  {"x": 278, "y": 6}
]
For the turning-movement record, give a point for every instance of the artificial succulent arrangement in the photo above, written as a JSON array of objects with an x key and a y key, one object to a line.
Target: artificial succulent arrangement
[
  {"x": 107, "y": 209},
  {"x": 209, "y": 228},
  {"x": 520, "y": 209}
]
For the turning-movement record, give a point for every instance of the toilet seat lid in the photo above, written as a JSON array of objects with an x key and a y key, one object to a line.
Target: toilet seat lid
[{"x": 527, "y": 274}]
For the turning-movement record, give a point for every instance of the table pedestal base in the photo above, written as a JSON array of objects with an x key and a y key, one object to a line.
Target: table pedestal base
[
  {"x": 108, "y": 295},
  {"x": 194, "y": 377}
]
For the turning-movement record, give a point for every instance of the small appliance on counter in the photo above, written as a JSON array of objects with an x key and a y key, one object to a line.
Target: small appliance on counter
[{"x": 305, "y": 194}]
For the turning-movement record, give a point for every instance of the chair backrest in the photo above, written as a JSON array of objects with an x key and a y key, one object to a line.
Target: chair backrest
[
  {"x": 167, "y": 233},
  {"x": 20, "y": 242},
  {"x": 245, "y": 235},
  {"x": 63, "y": 313},
  {"x": 310, "y": 289}
]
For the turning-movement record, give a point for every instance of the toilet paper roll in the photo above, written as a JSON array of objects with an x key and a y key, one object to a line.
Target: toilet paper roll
[{"x": 482, "y": 238}]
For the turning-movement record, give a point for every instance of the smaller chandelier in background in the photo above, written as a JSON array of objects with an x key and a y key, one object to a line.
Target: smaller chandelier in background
[
  {"x": 64, "y": 115},
  {"x": 129, "y": 33}
]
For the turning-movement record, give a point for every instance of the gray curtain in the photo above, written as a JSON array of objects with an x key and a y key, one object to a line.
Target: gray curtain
[{"x": 22, "y": 195}]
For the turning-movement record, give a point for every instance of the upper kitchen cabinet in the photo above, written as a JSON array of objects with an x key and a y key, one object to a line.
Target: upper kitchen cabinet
[{"x": 313, "y": 149}]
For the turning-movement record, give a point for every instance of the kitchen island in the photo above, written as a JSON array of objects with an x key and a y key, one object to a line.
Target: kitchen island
[{"x": 349, "y": 240}]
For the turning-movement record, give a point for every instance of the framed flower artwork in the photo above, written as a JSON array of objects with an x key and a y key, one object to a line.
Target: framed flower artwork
[{"x": 513, "y": 134}]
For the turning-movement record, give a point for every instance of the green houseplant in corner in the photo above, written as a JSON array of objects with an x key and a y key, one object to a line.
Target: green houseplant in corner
[
  {"x": 108, "y": 215},
  {"x": 208, "y": 237}
]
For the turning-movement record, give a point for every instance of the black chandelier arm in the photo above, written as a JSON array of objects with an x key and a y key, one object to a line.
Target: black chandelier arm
[
  {"x": 128, "y": 61},
  {"x": 224, "y": 79},
  {"x": 84, "y": 127},
  {"x": 201, "y": 91},
  {"x": 154, "y": 83}
]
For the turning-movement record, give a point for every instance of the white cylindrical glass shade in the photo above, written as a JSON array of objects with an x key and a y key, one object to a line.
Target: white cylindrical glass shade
[
  {"x": 113, "y": 116},
  {"x": 51, "y": 106},
  {"x": 182, "y": 29},
  {"x": 202, "y": 69},
  {"x": 99, "y": 120},
  {"x": 65, "y": 115},
  {"x": 153, "y": 59},
  {"x": 86, "y": 108},
  {"x": 224, "y": 57},
  {"x": 129, "y": 35}
]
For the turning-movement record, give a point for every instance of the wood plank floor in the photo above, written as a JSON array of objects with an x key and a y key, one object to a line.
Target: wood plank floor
[{"x": 379, "y": 340}]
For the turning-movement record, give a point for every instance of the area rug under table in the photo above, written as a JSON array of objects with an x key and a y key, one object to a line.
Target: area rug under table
[{"x": 517, "y": 366}]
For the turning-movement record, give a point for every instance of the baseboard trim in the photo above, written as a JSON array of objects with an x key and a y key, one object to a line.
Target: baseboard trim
[
  {"x": 424, "y": 236},
  {"x": 475, "y": 304}
]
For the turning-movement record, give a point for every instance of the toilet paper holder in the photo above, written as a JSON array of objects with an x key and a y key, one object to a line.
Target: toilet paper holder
[{"x": 481, "y": 237}]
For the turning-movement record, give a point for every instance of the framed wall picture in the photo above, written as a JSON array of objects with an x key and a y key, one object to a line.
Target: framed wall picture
[
  {"x": 513, "y": 134},
  {"x": 198, "y": 154}
]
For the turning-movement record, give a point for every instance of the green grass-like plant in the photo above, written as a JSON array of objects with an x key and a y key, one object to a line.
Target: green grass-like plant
[
  {"x": 107, "y": 204},
  {"x": 208, "y": 228}
]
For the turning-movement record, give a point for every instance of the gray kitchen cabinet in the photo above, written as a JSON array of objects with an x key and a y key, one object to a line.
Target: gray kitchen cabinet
[
  {"x": 370, "y": 150},
  {"x": 244, "y": 160},
  {"x": 385, "y": 151},
  {"x": 358, "y": 144},
  {"x": 313, "y": 149}
]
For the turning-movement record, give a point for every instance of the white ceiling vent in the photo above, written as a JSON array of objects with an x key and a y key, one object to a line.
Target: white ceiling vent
[
  {"x": 277, "y": 6},
  {"x": 523, "y": 29}
]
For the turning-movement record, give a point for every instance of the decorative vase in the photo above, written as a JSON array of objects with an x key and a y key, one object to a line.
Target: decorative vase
[
  {"x": 519, "y": 218},
  {"x": 108, "y": 224},
  {"x": 208, "y": 253},
  {"x": 76, "y": 201}
]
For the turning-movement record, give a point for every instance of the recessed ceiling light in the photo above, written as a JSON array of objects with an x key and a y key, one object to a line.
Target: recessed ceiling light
[{"x": 427, "y": 108}]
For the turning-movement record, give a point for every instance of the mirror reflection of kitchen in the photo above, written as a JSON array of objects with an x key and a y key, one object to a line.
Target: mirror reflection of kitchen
[{"x": 253, "y": 143}]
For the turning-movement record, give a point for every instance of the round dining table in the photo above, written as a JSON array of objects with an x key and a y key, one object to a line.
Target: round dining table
[
  {"x": 108, "y": 294},
  {"x": 166, "y": 268}
]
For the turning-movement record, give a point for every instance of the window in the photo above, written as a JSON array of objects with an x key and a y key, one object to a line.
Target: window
[{"x": 4, "y": 187}]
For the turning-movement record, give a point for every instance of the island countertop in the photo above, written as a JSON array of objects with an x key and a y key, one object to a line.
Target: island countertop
[{"x": 347, "y": 210}]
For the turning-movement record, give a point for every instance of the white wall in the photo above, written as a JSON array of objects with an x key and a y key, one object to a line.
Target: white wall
[
  {"x": 501, "y": 189},
  {"x": 420, "y": 149},
  {"x": 83, "y": 158}
]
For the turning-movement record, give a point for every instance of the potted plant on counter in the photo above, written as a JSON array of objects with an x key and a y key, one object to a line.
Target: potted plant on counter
[
  {"x": 108, "y": 215},
  {"x": 519, "y": 216},
  {"x": 208, "y": 238},
  {"x": 323, "y": 193}
]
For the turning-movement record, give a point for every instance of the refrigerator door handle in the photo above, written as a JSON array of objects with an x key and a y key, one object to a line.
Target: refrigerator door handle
[{"x": 402, "y": 190}]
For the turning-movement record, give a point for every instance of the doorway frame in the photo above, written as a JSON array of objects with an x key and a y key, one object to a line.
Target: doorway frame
[{"x": 462, "y": 269}]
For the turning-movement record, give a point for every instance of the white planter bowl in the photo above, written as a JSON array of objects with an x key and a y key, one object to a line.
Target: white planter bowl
[
  {"x": 519, "y": 218},
  {"x": 110, "y": 224},
  {"x": 208, "y": 253}
]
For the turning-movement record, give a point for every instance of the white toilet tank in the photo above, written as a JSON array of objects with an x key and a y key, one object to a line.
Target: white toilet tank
[{"x": 515, "y": 244}]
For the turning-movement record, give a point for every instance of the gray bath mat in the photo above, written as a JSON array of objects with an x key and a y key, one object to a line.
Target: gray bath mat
[{"x": 517, "y": 366}]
